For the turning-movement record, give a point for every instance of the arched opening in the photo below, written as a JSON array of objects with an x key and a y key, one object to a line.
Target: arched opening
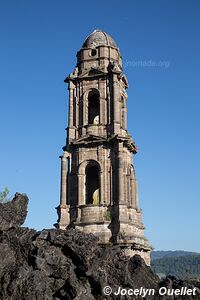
[
  {"x": 93, "y": 107},
  {"x": 92, "y": 184}
]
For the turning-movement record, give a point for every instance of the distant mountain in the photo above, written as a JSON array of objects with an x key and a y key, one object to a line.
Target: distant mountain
[
  {"x": 161, "y": 254},
  {"x": 184, "y": 266}
]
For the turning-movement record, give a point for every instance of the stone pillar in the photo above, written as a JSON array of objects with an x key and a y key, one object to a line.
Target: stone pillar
[
  {"x": 125, "y": 118},
  {"x": 101, "y": 189},
  {"x": 108, "y": 106},
  {"x": 63, "y": 186},
  {"x": 101, "y": 103},
  {"x": 84, "y": 100},
  {"x": 132, "y": 185},
  {"x": 121, "y": 178},
  {"x": 69, "y": 180},
  {"x": 63, "y": 209},
  {"x": 107, "y": 181},
  {"x": 81, "y": 189},
  {"x": 71, "y": 128},
  {"x": 134, "y": 193},
  {"x": 70, "y": 113},
  {"x": 116, "y": 99},
  {"x": 111, "y": 186},
  {"x": 128, "y": 190}
]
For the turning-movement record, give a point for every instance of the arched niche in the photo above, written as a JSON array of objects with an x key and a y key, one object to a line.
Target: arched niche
[
  {"x": 92, "y": 184},
  {"x": 93, "y": 107},
  {"x": 89, "y": 182}
]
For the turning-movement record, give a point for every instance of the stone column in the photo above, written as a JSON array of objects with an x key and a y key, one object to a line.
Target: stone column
[
  {"x": 116, "y": 99},
  {"x": 101, "y": 102},
  {"x": 125, "y": 118},
  {"x": 63, "y": 186},
  {"x": 128, "y": 190},
  {"x": 111, "y": 187},
  {"x": 134, "y": 193},
  {"x": 121, "y": 178},
  {"x": 81, "y": 189},
  {"x": 71, "y": 128},
  {"x": 132, "y": 186},
  {"x": 84, "y": 100},
  {"x": 69, "y": 180},
  {"x": 70, "y": 112},
  {"x": 107, "y": 181},
  {"x": 101, "y": 189},
  {"x": 108, "y": 106},
  {"x": 63, "y": 209}
]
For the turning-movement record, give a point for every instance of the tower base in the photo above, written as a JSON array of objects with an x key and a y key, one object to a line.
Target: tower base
[
  {"x": 136, "y": 245},
  {"x": 117, "y": 225}
]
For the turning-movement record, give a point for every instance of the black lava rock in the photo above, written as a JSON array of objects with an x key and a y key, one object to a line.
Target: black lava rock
[{"x": 66, "y": 264}]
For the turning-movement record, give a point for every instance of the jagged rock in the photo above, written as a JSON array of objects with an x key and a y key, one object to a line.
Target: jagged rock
[
  {"x": 13, "y": 213},
  {"x": 66, "y": 264}
]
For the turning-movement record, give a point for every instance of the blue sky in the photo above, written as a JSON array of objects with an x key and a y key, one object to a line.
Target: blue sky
[{"x": 39, "y": 41}]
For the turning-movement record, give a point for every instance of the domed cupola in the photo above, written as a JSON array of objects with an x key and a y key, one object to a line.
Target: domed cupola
[
  {"x": 99, "y": 38},
  {"x": 98, "y": 50}
]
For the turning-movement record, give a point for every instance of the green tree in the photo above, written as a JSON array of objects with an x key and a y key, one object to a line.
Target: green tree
[{"x": 4, "y": 195}]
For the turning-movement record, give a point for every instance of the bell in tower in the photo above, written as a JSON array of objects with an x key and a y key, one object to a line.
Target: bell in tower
[{"x": 98, "y": 181}]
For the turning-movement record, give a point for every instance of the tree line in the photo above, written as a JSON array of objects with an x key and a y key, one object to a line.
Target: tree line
[{"x": 183, "y": 267}]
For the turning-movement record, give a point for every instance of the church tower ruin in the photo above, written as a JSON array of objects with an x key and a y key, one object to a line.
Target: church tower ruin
[{"x": 98, "y": 182}]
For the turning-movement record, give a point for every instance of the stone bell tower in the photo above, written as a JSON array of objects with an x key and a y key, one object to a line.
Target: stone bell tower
[{"x": 98, "y": 185}]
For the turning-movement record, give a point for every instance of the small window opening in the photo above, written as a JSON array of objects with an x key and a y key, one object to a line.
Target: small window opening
[
  {"x": 92, "y": 185},
  {"x": 93, "y": 107},
  {"x": 93, "y": 52}
]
